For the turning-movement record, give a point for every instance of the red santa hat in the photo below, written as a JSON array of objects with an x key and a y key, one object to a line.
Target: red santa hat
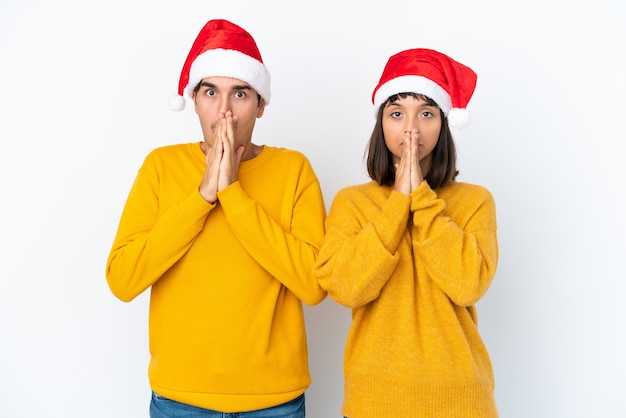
[
  {"x": 425, "y": 71},
  {"x": 222, "y": 49}
]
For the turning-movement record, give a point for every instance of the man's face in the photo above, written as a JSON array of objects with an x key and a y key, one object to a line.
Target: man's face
[{"x": 221, "y": 94}]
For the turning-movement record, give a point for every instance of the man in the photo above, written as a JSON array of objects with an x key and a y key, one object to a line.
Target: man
[{"x": 224, "y": 232}]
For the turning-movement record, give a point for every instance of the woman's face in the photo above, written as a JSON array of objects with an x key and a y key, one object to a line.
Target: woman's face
[{"x": 407, "y": 114}]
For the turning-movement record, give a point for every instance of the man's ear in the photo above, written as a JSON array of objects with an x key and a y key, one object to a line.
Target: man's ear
[
  {"x": 193, "y": 98},
  {"x": 261, "y": 108}
]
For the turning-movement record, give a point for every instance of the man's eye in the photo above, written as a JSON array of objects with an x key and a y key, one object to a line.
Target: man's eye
[
  {"x": 210, "y": 92},
  {"x": 240, "y": 94}
]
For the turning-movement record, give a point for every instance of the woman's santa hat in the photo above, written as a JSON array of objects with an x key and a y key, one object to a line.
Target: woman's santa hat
[
  {"x": 222, "y": 49},
  {"x": 425, "y": 71}
]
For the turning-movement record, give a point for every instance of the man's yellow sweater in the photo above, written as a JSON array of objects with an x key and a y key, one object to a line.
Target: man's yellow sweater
[
  {"x": 412, "y": 268},
  {"x": 227, "y": 279}
]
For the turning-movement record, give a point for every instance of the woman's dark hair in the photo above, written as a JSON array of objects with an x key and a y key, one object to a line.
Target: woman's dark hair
[{"x": 380, "y": 160}]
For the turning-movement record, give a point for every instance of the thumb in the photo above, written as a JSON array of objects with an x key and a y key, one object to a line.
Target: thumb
[{"x": 239, "y": 153}]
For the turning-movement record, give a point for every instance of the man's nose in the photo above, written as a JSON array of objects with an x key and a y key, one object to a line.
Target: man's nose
[{"x": 224, "y": 105}]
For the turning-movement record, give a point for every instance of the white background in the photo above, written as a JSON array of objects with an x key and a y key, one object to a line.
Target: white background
[{"x": 84, "y": 90}]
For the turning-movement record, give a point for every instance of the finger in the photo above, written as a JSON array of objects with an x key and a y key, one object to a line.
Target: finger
[
  {"x": 215, "y": 126},
  {"x": 227, "y": 148},
  {"x": 238, "y": 157},
  {"x": 221, "y": 121},
  {"x": 220, "y": 144},
  {"x": 230, "y": 127},
  {"x": 406, "y": 154}
]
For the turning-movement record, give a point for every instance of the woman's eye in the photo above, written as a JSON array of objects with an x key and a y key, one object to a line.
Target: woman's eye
[{"x": 395, "y": 114}]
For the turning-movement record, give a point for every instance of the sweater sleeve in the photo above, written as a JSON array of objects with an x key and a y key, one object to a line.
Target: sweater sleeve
[
  {"x": 359, "y": 253},
  {"x": 287, "y": 255},
  {"x": 459, "y": 254},
  {"x": 146, "y": 244}
]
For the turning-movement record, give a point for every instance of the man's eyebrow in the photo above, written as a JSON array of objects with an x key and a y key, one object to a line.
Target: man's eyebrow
[{"x": 237, "y": 87}]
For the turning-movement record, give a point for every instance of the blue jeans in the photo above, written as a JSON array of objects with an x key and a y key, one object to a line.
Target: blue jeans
[{"x": 161, "y": 407}]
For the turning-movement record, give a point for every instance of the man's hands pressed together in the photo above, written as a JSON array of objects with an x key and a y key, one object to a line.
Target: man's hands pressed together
[{"x": 222, "y": 158}]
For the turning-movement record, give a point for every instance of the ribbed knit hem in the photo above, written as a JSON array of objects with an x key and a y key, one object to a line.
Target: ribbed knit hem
[{"x": 367, "y": 398}]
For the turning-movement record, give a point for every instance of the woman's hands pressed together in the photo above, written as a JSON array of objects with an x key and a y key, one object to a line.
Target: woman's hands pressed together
[{"x": 408, "y": 170}]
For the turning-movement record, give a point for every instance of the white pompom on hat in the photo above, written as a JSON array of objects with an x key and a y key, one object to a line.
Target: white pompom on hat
[
  {"x": 425, "y": 71},
  {"x": 222, "y": 49}
]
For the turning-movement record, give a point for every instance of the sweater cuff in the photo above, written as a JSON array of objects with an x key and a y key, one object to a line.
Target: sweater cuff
[
  {"x": 194, "y": 208},
  {"x": 232, "y": 193},
  {"x": 392, "y": 225},
  {"x": 425, "y": 201},
  {"x": 421, "y": 196}
]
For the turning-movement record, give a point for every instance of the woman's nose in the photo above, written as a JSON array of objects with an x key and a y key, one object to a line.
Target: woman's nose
[{"x": 411, "y": 124}]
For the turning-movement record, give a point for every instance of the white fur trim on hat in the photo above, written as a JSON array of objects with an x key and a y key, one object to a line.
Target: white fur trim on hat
[
  {"x": 458, "y": 118},
  {"x": 177, "y": 102},
  {"x": 413, "y": 84},
  {"x": 233, "y": 64}
]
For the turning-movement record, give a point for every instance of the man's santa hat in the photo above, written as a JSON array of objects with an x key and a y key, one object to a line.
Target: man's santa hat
[
  {"x": 425, "y": 71},
  {"x": 222, "y": 49}
]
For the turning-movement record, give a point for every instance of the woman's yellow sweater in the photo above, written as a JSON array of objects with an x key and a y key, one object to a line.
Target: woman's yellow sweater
[
  {"x": 227, "y": 279},
  {"x": 411, "y": 269}
]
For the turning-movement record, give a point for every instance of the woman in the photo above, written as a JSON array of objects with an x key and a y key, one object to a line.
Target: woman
[{"x": 412, "y": 251}]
